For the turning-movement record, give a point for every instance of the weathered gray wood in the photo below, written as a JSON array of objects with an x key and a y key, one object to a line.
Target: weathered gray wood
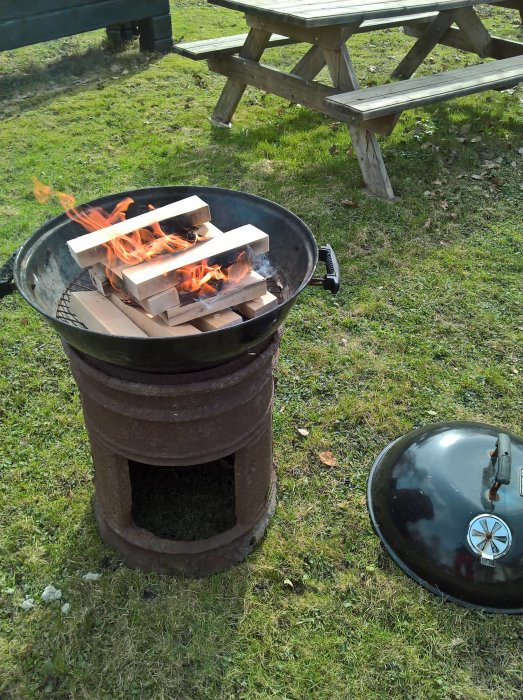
[
  {"x": 455, "y": 38},
  {"x": 471, "y": 25},
  {"x": 314, "y": 13},
  {"x": 431, "y": 36},
  {"x": 229, "y": 45},
  {"x": 291, "y": 87},
  {"x": 365, "y": 143},
  {"x": 323, "y": 36},
  {"x": 396, "y": 97},
  {"x": 225, "y": 45},
  {"x": 231, "y": 95}
]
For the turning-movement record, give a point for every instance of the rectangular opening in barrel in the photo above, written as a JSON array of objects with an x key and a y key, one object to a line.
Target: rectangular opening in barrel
[{"x": 184, "y": 503}]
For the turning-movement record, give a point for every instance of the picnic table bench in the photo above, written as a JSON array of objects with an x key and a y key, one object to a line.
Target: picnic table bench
[{"x": 327, "y": 26}]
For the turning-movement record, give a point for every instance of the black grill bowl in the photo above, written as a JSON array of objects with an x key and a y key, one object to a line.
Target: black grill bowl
[{"x": 44, "y": 270}]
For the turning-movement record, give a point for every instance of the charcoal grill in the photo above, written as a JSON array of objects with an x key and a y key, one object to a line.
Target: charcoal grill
[{"x": 168, "y": 417}]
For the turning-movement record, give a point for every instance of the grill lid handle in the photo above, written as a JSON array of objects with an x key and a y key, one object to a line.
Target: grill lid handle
[
  {"x": 331, "y": 281},
  {"x": 502, "y": 457}
]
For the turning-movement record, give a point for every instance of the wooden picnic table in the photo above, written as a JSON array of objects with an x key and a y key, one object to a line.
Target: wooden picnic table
[{"x": 326, "y": 26}]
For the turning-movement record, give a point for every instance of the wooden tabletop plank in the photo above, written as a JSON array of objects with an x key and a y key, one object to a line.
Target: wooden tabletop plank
[{"x": 314, "y": 13}]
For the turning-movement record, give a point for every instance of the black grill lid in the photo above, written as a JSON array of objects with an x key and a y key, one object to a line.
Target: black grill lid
[{"x": 446, "y": 501}]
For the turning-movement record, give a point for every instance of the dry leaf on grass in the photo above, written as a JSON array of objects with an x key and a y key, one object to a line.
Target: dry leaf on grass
[
  {"x": 303, "y": 431},
  {"x": 328, "y": 458}
]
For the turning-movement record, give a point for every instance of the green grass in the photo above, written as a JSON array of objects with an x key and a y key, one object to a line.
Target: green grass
[{"x": 427, "y": 327}]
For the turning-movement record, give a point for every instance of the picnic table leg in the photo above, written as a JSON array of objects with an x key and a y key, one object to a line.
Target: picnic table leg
[
  {"x": 431, "y": 36},
  {"x": 310, "y": 65},
  {"x": 365, "y": 143},
  {"x": 253, "y": 48}
]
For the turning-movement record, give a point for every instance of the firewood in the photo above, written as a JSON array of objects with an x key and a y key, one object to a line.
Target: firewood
[
  {"x": 154, "y": 276},
  {"x": 100, "y": 315},
  {"x": 213, "y": 322},
  {"x": 91, "y": 247},
  {"x": 154, "y": 305},
  {"x": 100, "y": 281},
  {"x": 116, "y": 266},
  {"x": 160, "y": 302},
  {"x": 152, "y": 325},
  {"x": 256, "y": 307},
  {"x": 251, "y": 286}
]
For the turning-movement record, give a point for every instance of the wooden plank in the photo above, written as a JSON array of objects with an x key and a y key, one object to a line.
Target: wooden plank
[
  {"x": 100, "y": 282},
  {"x": 251, "y": 286},
  {"x": 396, "y": 97},
  {"x": 216, "y": 321},
  {"x": 471, "y": 25},
  {"x": 91, "y": 247},
  {"x": 233, "y": 90},
  {"x": 366, "y": 146},
  {"x": 100, "y": 315},
  {"x": 202, "y": 49},
  {"x": 116, "y": 266},
  {"x": 158, "y": 303},
  {"x": 228, "y": 45},
  {"x": 329, "y": 12},
  {"x": 161, "y": 273},
  {"x": 152, "y": 326},
  {"x": 455, "y": 38},
  {"x": 259, "y": 306},
  {"x": 430, "y": 37}
]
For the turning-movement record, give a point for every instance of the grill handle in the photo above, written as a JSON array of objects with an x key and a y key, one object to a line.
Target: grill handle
[
  {"x": 7, "y": 285},
  {"x": 330, "y": 281},
  {"x": 502, "y": 457}
]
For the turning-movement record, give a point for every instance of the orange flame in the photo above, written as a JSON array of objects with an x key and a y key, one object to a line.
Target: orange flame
[{"x": 144, "y": 244}]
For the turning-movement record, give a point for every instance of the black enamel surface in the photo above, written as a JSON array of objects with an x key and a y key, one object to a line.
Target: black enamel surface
[
  {"x": 424, "y": 490},
  {"x": 44, "y": 269}
]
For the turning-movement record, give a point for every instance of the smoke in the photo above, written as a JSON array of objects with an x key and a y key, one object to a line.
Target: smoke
[{"x": 262, "y": 265}]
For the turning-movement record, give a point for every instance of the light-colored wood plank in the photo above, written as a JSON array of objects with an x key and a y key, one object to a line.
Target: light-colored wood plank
[
  {"x": 100, "y": 315},
  {"x": 91, "y": 247},
  {"x": 152, "y": 277},
  {"x": 158, "y": 303},
  {"x": 216, "y": 321},
  {"x": 100, "y": 282},
  {"x": 198, "y": 50},
  {"x": 259, "y": 306},
  {"x": 251, "y": 286},
  {"x": 152, "y": 326}
]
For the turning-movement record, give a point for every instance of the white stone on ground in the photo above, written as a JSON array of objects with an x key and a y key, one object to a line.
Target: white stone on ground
[{"x": 51, "y": 593}]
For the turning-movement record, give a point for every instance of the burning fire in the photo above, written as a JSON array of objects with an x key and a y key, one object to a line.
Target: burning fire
[{"x": 144, "y": 244}]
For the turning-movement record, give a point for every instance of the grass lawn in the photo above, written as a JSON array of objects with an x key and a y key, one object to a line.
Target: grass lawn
[{"x": 427, "y": 327}]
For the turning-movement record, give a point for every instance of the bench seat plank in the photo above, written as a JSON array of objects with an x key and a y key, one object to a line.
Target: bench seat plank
[{"x": 380, "y": 101}]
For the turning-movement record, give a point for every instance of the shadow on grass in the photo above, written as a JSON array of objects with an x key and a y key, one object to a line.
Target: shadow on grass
[{"x": 39, "y": 83}]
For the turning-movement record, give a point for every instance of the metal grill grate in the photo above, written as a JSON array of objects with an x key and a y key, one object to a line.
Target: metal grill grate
[{"x": 82, "y": 283}]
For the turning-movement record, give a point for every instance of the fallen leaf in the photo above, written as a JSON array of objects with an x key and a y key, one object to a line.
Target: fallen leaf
[
  {"x": 24, "y": 322},
  {"x": 349, "y": 203},
  {"x": 476, "y": 139},
  {"x": 328, "y": 458},
  {"x": 303, "y": 431}
]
